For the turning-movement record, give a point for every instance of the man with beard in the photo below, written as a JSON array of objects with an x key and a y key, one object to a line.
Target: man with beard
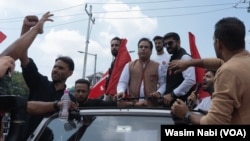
[
  {"x": 115, "y": 45},
  {"x": 40, "y": 88},
  {"x": 81, "y": 93},
  {"x": 161, "y": 56},
  {"x": 178, "y": 84},
  {"x": 208, "y": 86}
]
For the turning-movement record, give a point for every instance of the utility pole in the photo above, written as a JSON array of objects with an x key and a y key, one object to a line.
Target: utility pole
[
  {"x": 94, "y": 79},
  {"x": 87, "y": 38}
]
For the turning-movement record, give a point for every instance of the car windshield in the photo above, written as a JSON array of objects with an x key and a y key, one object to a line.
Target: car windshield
[{"x": 108, "y": 128}]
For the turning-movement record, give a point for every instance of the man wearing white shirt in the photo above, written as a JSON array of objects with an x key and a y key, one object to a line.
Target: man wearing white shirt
[
  {"x": 161, "y": 56},
  {"x": 208, "y": 86},
  {"x": 178, "y": 84},
  {"x": 140, "y": 78}
]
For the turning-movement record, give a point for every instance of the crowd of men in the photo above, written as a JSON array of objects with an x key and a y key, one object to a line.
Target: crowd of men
[{"x": 166, "y": 80}]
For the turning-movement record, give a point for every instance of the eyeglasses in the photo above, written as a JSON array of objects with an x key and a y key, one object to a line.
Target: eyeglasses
[
  {"x": 170, "y": 43},
  {"x": 146, "y": 47},
  {"x": 114, "y": 45}
]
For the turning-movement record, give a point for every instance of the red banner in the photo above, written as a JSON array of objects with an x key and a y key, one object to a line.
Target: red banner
[
  {"x": 199, "y": 72},
  {"x": 2, "y": 36},
  {"x": 99, "y": 88},
  {"x": 123, "y": 57}
]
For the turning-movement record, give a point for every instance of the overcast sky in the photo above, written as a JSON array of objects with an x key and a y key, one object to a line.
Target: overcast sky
[{"x": 130, "y": 19}]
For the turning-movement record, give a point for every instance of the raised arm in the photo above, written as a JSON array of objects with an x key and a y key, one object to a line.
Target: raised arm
[
  {"x": 21, "y": 45},
  {"x": 208, "y": 63}
]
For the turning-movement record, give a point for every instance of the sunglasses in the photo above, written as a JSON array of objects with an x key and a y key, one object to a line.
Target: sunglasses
[{"x": 170, "y": 43}]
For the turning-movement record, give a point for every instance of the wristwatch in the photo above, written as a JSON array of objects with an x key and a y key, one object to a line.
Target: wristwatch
[
  {"x": 186, "y": 118},
  {"x": 173, "y": 95}
]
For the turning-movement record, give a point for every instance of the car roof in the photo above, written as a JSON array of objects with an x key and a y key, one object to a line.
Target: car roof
[
  {"x": 125, "y": 111},
  {"x": 106, "y": 112}
]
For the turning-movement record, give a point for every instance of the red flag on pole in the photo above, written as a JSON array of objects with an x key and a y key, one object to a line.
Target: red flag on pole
[
  {"x": 99, "y": 88},
  {"x": 2, "y": 36},
  {"x": 199, "y": 72},
  {"x": 123, "y": 57}
]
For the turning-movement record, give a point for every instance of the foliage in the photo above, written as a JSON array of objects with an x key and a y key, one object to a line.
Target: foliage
[
  {"x": 14, "y": 85},
  {"x": 72, "y": 90}
]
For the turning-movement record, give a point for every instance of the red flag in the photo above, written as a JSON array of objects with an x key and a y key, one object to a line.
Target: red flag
[
  {"x": 199, "y": 72},
  {"x": 2, "y": 36},
  {"x": 99, "y": 88},
  {"x": 123, "y": 57}
]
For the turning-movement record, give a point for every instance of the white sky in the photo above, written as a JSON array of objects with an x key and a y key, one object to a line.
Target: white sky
[{"x": 131, "y": 19}]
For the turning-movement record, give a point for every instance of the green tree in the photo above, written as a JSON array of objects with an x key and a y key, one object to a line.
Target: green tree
[{"x": 14, "y": 85}]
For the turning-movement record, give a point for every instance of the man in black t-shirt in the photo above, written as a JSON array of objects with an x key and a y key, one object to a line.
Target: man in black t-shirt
[{"x": 81, "y": 93}]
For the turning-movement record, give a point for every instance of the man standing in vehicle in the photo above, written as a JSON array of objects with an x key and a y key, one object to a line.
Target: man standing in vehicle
[
  {"x": 178, "y": 85},
  {"x": 142, "y": 76}
]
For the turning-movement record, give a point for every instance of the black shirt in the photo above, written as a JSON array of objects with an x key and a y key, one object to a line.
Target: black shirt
[{"x": 41, "y": 89}]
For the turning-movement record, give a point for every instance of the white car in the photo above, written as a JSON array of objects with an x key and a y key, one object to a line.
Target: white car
[{"x": 91, "y": 124}]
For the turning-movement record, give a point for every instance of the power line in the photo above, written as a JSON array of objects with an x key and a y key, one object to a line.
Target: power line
[
  {"x": 154, "y": 9},
  {"x": 15, "y": 18},
  {"x": 67, "y": 23},
  {"x": 145, "y": 2},
  {"x": 10, "y": 20},
  {"x": 175, "y": 15}
]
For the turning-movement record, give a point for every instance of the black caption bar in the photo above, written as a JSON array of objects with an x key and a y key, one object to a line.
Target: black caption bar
[{"x": 241, "y": 132}]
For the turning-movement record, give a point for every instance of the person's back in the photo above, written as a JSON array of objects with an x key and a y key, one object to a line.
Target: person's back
[{"x": 236, "y": 73}]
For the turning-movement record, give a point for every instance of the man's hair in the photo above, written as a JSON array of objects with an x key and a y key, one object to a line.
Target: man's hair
[
  {"x": 173, "y": 35},
  {"x": 83, "y": 81},
  {"x": 211, "y": 70},
  {"x": 147, "y": 40},
  {"x": 157, "y": 38},
  {"x": 116, "y": 38},
  {"x": 67, "y": 60},
  {"x": 231, "y": 31}
]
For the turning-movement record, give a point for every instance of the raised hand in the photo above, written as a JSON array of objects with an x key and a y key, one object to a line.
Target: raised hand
[
  {"x": 28, "y": 22},
  {"x": 192, "y": 97},
  {"x": 39, "y": 25},
  {"x": 178, "y": 65}
]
